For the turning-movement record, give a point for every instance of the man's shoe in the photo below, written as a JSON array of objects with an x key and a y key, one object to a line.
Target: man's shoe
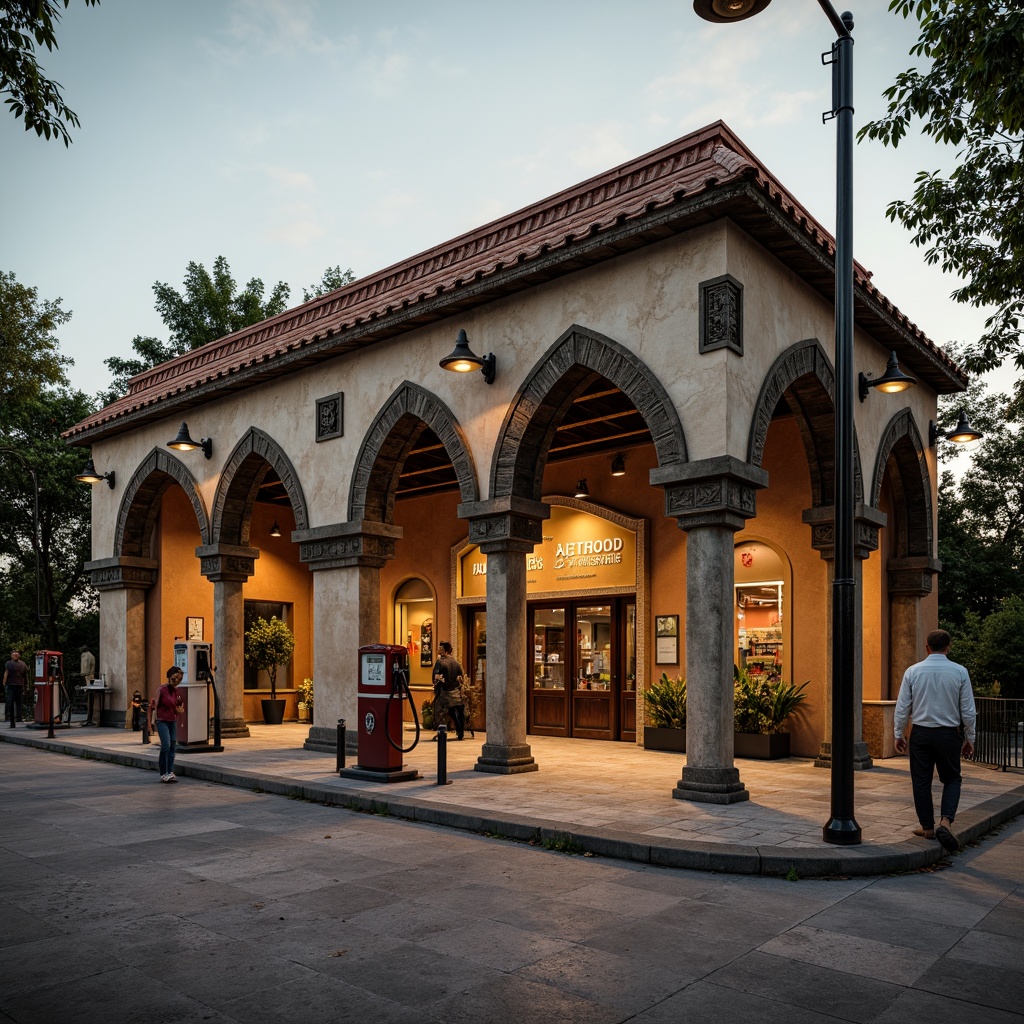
[
  {"x": 925, "y": 833},
  {"x": 950, "y": 843},
  {"x": 171, "y": 777},
  {"x": 164, "y": 778}
]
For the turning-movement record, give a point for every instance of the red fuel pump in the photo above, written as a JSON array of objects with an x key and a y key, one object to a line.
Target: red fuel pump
[
  {"x": 383, "y": 687},
  {"x": 48, "y": 679}
]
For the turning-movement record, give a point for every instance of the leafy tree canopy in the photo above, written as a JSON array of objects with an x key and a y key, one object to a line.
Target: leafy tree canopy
[
  {"x": 210, "y": 307},
  {"x": 30, "y": 95},
  {"x": 971, "y": 96},
  {"x": 334, "y": 277},
  {"x": 29, "y": 351}
]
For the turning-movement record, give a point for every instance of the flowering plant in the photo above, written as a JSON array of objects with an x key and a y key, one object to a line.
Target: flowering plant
[{"x": 306, "y": 692}]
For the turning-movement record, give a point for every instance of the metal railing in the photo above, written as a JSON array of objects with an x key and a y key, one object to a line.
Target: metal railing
[{"x": 1000, "y": 733}]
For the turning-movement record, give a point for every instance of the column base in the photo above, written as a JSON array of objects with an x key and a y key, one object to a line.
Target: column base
[
  {"x": 502, "y": 759},
  {"x": 711, "y": 786},
  {"x": 861, "y": 758},
  {"x": 234, "y": 728}
]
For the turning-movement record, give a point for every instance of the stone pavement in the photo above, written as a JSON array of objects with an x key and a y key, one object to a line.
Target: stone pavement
[
  {"x": 612, "y": 799},
  {"x": 129, "y": 902}
]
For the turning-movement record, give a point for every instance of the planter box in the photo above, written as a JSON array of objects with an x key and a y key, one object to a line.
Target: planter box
[
  {"x": 762, "y": 748},
  {"x": 665, "y": 739},
  {"x": 273, "y": 711}
]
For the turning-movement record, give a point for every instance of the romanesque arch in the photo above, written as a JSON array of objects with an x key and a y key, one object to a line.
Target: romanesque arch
[
  {"x": 252, "y": 458},
  {"x": 140, "y": 504},
  {"x": 558, "y": 378},
  {"x": 901, "y": 456},
  {"x": 804, "y": 376},
  {"x": 388, "y": 441}
]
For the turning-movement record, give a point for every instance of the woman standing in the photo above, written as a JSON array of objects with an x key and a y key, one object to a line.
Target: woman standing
[{"x": 168, "y": 705}]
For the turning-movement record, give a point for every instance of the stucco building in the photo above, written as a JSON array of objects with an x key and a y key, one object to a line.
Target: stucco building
[{"x": 662, "y": 338}]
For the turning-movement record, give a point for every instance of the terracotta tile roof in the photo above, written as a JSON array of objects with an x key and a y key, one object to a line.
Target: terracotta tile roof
[{"x": 627, "y": 206}]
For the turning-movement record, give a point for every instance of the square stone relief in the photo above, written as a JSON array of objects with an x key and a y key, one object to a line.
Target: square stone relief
[
  {"x": 721, "y": 314},
  {"x": 330, "y": 416}
]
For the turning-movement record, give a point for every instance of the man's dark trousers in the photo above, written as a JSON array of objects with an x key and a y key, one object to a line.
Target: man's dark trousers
[{"x": 934, "y": 747}]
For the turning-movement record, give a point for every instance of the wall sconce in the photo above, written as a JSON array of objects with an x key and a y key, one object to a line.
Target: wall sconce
[
  {"x": 90, "y": 476},
  {"x": 891, "y": 382},
  {"x": 619, "y": 465},
  {"x": 582, "y": 491},
  {"x": 184, "y": 443},
  {"x": 464, "y": 360},
  {"x": 275, "y": 530},
  {"x": 962, "y": 433}
]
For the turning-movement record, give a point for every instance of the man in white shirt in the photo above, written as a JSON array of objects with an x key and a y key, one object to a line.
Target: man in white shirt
[{"x": 936, "y": 695}]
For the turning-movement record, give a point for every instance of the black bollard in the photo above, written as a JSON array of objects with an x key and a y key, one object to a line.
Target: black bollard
[
  {"x": 144, "y": 719},
  {"x": 341, "y": 744},
  {"x": 442, "y": 756}
]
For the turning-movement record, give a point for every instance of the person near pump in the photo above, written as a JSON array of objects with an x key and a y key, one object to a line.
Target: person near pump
[
  {"x": 448, "y": 681},
  {"x": 936, "y": 695},
  {"x": 167, "y": 706},
  {"x": 15, "y": 678}
]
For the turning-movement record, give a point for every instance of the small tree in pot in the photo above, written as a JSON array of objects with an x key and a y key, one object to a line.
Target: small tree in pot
[{"x": 267, "y": 645}]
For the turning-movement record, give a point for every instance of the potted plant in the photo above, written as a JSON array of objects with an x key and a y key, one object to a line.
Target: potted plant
[
  {"x": 665, "y": 709},
  {"x": 267, "y": 645},
  {"x": 306, "y": 701},
  {"x": 762, "y": 709}
]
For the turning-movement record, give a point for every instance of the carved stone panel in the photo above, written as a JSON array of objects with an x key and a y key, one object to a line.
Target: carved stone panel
[
  {"x": 721, "y": 314},
  {"x": 330, "y": 416}
]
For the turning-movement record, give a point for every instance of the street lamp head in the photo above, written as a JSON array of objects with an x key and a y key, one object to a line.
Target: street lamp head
[
  {"x": 89, "y": 475},
  {"x": 464, "y": 360},
  {"x": 721, "y": 11},
  {"x": 892, "y": 382}
]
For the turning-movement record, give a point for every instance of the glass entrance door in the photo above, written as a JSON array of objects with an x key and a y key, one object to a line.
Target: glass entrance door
[
  {"x": 594, "y": 711},
  {"x": 548, "y": 701}
]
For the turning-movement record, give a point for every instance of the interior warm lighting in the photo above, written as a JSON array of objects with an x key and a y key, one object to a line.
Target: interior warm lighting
[
  {"x": 891, "y": 382},
  {"x": 618, "y": 465},
  {"x": 90, "y": 476},
  {"x": 582, "y": 491},
  {"x": 185, "y": 443},
  {"x": 962, "y": 433},
  {"x": 463, "y": 359},
  {"x": 728, "y": 10},
  {"x": 275, "y": 530}
]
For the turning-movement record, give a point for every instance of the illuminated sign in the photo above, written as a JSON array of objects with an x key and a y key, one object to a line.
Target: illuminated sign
[{"x": 579, "y": 551}]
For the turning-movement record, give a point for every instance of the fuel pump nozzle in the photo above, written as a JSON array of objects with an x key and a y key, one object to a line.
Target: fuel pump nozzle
[{"x": 400, "y": 688}]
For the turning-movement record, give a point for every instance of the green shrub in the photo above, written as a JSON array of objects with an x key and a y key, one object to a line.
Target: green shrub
[
  {"x": 665, "y": 702},
  {"x": 763, "y": 707}
]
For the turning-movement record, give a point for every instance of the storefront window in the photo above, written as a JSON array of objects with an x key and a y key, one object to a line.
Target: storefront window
[
  {"x": 549, "y": 649},
  {"x": 594, "y": 648}
]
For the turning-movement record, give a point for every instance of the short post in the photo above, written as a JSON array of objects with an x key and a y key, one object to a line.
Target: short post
[
  {"x": 144, "y": 719},
  {"x": 442, "y": 756},
  {"x": 341, "y": 744}
]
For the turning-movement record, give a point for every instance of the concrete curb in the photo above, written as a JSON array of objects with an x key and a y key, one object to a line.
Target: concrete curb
[{"x": 731, "y": 858}]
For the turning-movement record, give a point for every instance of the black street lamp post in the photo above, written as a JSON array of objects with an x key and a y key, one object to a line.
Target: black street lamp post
[{"x": 842, "y": 827}]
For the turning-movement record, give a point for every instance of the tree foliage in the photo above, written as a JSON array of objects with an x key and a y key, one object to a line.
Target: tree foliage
[
  {"x": 29, "y": 94},
  {"x": 334, "y": 277},
  {"x": 209, "y": 307},
  {"x": 269, "y": 643},
  {"x": 971, "y": 96},
  {"x": 30, "y": 356}
]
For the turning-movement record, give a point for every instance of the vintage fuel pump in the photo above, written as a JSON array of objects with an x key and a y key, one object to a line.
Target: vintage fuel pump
[
  {"x": 48, "y": 679},
  {"x": 193, "y": 658},
  {"x": 383, "y": 687}
]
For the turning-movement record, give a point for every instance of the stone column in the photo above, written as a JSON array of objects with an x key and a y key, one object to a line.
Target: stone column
[
  {"x": 866, "y": 524},
  {"x": 122, "y": 583},
  {"x": 910, "y": 580},
  {"x": 710, "y": 500},
  {"x": 346, "y": 559},
  {"x": 228, "y": 566},
  {"x": 506, "y": 530}
]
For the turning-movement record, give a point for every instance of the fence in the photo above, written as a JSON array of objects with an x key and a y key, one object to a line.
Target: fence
[{"x": 1000, "y": 731}]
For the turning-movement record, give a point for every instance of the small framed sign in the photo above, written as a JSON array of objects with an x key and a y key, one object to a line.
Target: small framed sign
[
  {"x": 666, "y": 640},
  {"x": 194, "y": 627}
]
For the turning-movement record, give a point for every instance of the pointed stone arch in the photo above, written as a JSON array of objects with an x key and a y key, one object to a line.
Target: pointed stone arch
[
  {"x": 902, "y": 457},
  {"x": 250, "y": 461},
  {"x": 804, "y": 376},
  {"x": 558, "y": 378},
  {"x": 388, "y": 441},
  {"x": 140, "y": 504}
]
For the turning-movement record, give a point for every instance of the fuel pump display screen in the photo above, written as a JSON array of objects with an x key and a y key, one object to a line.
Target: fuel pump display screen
[{"x": 373, "y": 670}]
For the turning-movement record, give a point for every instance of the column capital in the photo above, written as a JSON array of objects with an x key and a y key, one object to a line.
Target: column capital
[
  {"x": 364, "y": 542},
  {"x": 505, "y": 524},
  {"x": 227, "y": 563},
  {"x": 912, "y": 577},
  {"x": 712, "y": 492},
  {"x": 867, "y": 521},
  {"x": 122, "y": 572}
]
